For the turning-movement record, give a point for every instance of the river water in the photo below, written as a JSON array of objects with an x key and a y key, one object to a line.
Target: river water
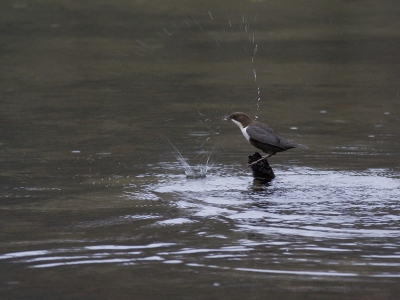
[{"x": 106, "y": 104}]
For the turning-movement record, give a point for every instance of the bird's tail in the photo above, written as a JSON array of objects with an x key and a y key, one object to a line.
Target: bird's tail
[{"x": 300, "y": 146}]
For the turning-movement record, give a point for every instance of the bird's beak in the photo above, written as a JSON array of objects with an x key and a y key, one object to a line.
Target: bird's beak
[{"x": 226, "y": 118}]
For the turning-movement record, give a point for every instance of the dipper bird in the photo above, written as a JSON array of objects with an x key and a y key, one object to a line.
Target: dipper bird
[{"x": 261, "y": 136}]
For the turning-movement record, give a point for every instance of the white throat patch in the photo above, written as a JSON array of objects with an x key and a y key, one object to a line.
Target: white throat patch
[{"x": 243, "y": 129}]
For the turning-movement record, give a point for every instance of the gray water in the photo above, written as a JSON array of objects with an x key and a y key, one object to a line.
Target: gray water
[{"x": 101, "y": 100}]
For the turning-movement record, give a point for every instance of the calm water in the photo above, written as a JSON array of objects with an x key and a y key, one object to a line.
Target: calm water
[{"x": 97, "y": 98}]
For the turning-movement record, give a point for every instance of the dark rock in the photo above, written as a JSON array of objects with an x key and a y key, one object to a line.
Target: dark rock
[{"x": 261, "y": 169}]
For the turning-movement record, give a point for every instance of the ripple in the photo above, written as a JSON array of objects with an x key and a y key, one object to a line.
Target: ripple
[
  {"x": 289, "y": 272},
  {"x": 300, "y": 201},
  {"x": 177, "y": 221},
  {"x": 306, "y": 222}
]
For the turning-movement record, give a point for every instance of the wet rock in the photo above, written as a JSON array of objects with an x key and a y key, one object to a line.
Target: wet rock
[{"x": 261, "y": 169}]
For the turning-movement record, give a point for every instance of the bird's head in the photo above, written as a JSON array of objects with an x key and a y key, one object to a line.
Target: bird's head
[{"x": 239, "y": 118}]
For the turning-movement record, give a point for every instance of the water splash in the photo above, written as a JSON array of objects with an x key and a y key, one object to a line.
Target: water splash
[
  {"x": 190, "y": 171},
  {"x": 195, "y": 22},
  {"x": 252, "y": 40},
  {"x": 258, "y": 102}
]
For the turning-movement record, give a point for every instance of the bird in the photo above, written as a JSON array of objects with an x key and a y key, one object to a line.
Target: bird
[{"x": 261, "y": 135}]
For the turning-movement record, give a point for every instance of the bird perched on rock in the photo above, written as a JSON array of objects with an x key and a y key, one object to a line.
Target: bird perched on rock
[{"x": 261, "y": 136}]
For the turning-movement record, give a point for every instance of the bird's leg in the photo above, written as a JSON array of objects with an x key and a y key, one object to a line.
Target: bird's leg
[{"x": 262, "y": 158}]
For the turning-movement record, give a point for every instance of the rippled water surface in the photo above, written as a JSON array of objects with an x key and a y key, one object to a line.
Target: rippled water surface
[{"x": 105, "y": 105}]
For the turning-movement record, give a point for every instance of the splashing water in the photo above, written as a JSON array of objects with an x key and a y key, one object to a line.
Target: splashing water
[
  {"x": 196, "y": 22},
  {"x": 190, "y": 171}
]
